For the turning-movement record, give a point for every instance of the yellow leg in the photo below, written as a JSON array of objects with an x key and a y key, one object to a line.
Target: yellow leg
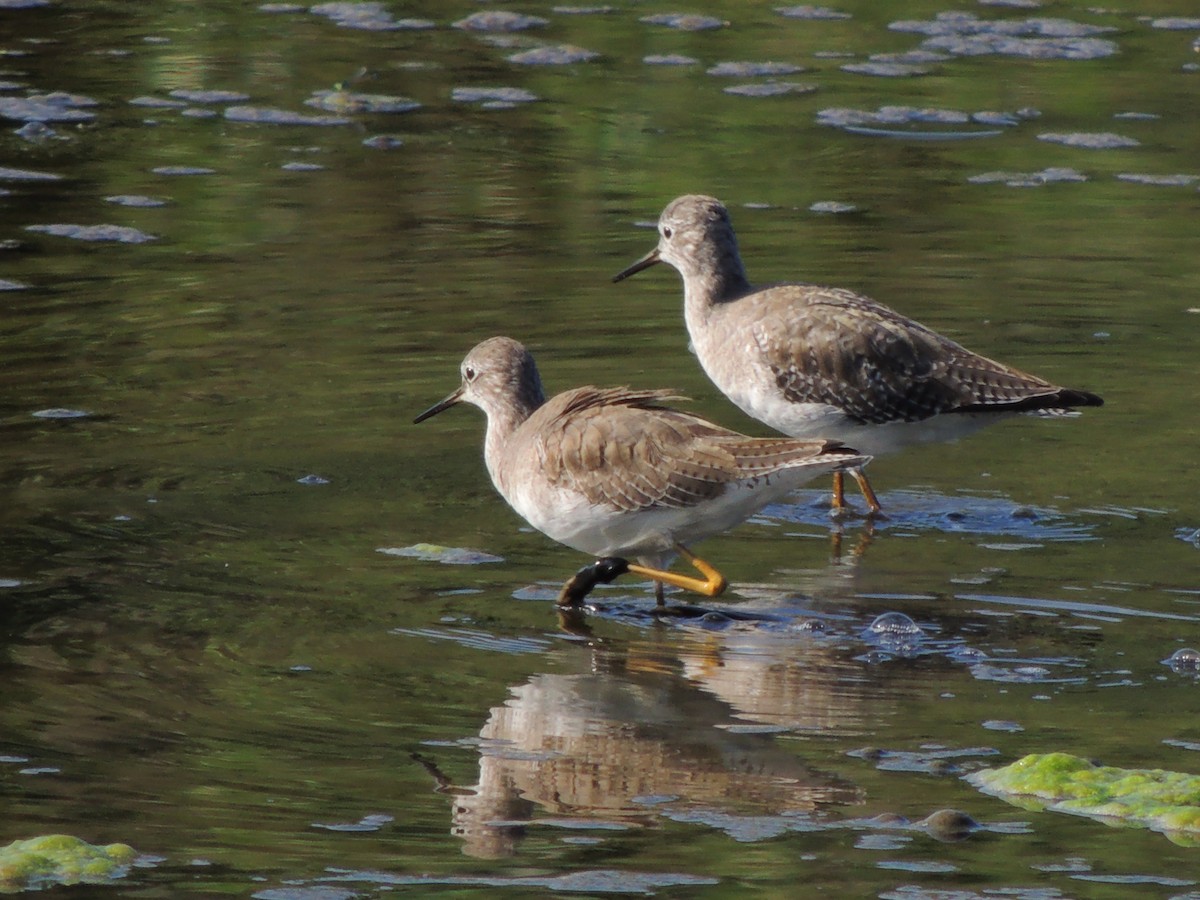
[
  {"x": 867, "y": 491},
  {"x": 839, "y": 490},
  {"x": 711, "y": 585}
]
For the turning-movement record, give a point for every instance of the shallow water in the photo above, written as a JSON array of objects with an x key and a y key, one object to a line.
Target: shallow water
[{"x": 245, "y": 246}]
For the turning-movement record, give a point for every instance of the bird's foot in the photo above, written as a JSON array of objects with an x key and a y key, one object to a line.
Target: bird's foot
[{"x": 579, "y": 585}]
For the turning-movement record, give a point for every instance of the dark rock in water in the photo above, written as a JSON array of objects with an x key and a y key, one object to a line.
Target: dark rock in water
[{"x": 949, "y": 825}]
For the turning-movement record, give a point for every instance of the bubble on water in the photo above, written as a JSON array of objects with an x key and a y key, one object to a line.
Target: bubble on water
[
  {"x": 753, "y": 69},
  {"x": 894, "y": 623},
  {"x": 499, "y": 21},
  {"x": 281, "y": 7},
  {"x": 312, "y": 479},
  {"x": 684, "y": 21},
  {"x": 1184, "y": 660},
  {"x": 1102, "y": 140},
  {"x": 122, "y": 234},
  {"x": 7, "y": 284},
  {"x": 556, "y": 55}
]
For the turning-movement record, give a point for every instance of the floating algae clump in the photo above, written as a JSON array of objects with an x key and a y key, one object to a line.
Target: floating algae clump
[
  {"x": 41, "y": 862},
  {"x": 1153, "y": 798}
]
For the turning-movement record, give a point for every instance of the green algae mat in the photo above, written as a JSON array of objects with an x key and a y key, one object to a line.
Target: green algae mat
[
  {"x": 1151, "y": 798},
  {"x": 52, "y": 859}
]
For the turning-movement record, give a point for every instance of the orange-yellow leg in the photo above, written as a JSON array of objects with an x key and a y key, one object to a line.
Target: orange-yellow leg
[
  {"x": 867, "y": 491},
  {"x": 839, "y": 490},
  {"x": 712, "y": 584}
]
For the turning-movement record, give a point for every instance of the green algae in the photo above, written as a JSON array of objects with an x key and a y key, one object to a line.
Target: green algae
[
  {"x": 1151, "y": 798},
  {"x": 51, "y": 859}
]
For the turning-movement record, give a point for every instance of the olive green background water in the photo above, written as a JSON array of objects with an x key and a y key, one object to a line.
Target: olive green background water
[{"x": 206, "y": 658}]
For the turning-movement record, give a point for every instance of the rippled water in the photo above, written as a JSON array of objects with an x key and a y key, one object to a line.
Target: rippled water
[{"x": 288, "y": 645}]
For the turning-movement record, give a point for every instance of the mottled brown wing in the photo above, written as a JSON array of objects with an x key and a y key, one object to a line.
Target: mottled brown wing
[
  {"x": 624, "y": 449},
  {"x": 839, "y": 348}
]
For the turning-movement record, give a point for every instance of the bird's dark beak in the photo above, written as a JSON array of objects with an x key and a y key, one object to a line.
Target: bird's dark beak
[
  {"x": 644, "y": 263},
  {"x": 454, "y": 398}
]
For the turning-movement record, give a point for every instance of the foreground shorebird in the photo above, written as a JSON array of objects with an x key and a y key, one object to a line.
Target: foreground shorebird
[
  {"x": 613, "y": 473},
  {"x": 815, "y": 361}
]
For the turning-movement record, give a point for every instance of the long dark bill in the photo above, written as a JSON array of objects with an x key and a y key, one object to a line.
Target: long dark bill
[
  {"x": 644, "y": 263},
  {"x": 439, "y": 407}
]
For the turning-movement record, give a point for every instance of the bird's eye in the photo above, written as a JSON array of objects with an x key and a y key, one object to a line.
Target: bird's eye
[
  {"x": 667, "y": 231},
  {"x": 469, "y": 373}
]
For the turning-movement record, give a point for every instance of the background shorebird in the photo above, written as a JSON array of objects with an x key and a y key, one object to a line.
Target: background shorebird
[
  {"x": 825, "y": 362},
  {"x": 614, "y": 473}
]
